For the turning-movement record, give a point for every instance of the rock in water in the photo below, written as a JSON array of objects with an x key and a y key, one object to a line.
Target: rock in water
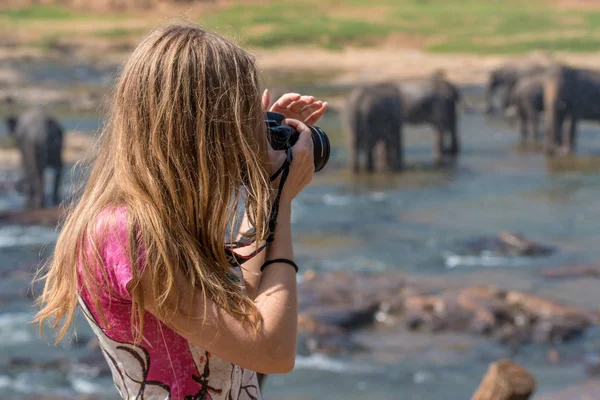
[
  {"x": 506, "y": 380},
  {"x": 506, "y": 244},
  {"x": 334, "y": 305},
  {"x": 517, "y": 244}
]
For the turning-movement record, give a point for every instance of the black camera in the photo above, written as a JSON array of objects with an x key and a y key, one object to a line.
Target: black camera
[{"x": 284, "y": 136}]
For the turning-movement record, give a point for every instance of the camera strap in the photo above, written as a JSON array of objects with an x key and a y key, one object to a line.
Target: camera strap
[
  {"x": 236, "y": 259},
  {"x": 284, "y": 171}
]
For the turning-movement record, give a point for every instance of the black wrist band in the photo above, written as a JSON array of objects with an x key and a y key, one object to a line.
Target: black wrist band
[{"x": 279, "y": 260}]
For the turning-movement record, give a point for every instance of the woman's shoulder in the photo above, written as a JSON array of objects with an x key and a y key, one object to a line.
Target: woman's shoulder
[
  {"x": 113, "y": 216},
  {"x": 109, "y": 245},
  {"x": 110, "y": 233},
  {"x": 112, "y": 222}
]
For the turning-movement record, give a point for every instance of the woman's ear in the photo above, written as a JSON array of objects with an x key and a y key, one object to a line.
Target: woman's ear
[{"x": 266, "y": 100}]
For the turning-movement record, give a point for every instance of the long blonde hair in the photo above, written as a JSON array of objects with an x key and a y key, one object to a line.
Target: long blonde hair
[{"x": 184, "y": 138}]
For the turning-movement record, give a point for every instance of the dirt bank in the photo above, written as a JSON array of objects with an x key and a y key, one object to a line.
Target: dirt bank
[
  {"x": 349, "y": 66},
  {"x": 359, "y": 65}
]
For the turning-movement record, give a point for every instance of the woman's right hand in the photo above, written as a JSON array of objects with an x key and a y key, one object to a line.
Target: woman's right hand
[{"x": 302, "y": 167}]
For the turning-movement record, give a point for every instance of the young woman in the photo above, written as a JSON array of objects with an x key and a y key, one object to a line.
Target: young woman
[{"x": 143, "y": 251}]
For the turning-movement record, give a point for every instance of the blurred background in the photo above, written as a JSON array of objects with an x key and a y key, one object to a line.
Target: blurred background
[{"x": 413, "y": 281}]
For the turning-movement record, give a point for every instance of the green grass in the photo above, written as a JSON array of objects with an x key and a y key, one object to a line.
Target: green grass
[
  {"x": 287, "y": 23},
  {"x": 333, "y": 34},
  {"x": 118, "y": 32},
  {"x": 589, "y": 44},
  {"x": 465, "y": 26},
  {"x": 37, "y": 13},
  {"x": 468, "y": 26}
]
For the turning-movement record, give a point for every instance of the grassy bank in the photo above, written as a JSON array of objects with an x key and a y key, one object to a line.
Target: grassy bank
[{"x": 466, "y": 26}]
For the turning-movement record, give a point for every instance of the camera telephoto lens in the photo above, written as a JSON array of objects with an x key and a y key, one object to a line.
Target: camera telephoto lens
[{"x": 283, "y": 136}]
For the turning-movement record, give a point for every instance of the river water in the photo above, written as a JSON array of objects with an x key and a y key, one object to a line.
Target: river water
[{"x": 409, "y": 223}]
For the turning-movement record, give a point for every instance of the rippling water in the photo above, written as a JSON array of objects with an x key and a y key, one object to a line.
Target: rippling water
[{"x": 411, "y": 223}]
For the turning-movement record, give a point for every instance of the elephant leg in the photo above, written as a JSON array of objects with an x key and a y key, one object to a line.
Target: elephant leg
[
  {"x": 505, "y": 99},
  {"x": 523, "y": 128},
  {"x": 455, "y": 147},
  {"x": 534, "y": 123},
  {"x": 390, "y": 157},
  {"x": 58, "y": 171},
  {"x": 33, "y": 177},
  {"x": 400, "y": 148},
  {"x": 39, "y": 201},
  {"x": 371, "y": 156},
  {"x": 446, "y": 147},
  {"x": 489, "y": 98},
  {"x": 455, "y": 140},
  {"x": 439, "y": 144},
  {"x": 21, "y": 184},
  {"x": 558, "y": 134},
  {"x": 394, "y": 153},
  {"x": 441, "y": 148},
  {"x": 359, "y": 142},
  {"x": 354, "y": 158},
  {"x": 571, "y": 136},
  {"x": 554, "y": 131}
]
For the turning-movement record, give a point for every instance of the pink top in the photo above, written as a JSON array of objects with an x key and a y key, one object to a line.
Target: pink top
[{"x": 164, "y": 365}]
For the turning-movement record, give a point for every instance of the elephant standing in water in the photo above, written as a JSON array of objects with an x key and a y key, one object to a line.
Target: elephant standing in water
[
  {"x": 526, "y": 102},
  {"x": 39, "y": 138},
  {"x": 573, "y": 94},
  {"x": 433, "y": 101},
  {"x": 373, "y": 114},
  {"x": 506, "y": 76}
]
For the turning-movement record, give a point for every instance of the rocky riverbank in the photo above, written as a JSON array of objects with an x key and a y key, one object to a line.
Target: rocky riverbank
[{"x": 335, "y": 305}]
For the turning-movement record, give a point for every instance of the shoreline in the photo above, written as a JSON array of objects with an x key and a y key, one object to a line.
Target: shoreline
[
  {"x": 357, "y": 65},
  {"x": 285, "y": 69},
  {"x": 348, "y": 66}
]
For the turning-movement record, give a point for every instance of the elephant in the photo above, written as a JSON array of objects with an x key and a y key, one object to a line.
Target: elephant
[
  {"x": 505, "y": 77},
  {"x": 373, "y": 114},
  {"x": 526, "y": 102},
  {"x": 571, "y": 94},
  {"x": 39, "y": 139},
  {"x": 433, "y": 101}
]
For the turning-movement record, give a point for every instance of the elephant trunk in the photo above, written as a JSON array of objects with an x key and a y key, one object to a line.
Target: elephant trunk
[{"x": 554, "y": 123}]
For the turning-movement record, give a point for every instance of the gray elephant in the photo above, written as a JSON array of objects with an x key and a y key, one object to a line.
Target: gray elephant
[
  {"x": 373, "y": 114},
  {"x": 505, "y": 77},
  {"x": 39, "y": 138},
  {"x": 433, "y": 101},
  {"x": 526, "y": 102},
  {"x": 571, "y": 94}
]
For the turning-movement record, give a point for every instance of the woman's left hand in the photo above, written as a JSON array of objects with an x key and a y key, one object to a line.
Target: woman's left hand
[{"x": 295, "y": 106}]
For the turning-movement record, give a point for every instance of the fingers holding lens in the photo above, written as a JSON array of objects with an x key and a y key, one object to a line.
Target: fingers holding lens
[{"x": 304, "y": 146}]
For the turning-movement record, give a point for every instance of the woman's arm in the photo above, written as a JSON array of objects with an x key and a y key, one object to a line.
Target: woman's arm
[
  {"x": 302, "y": 108},
  {"x": 273, "y": 348},
  {"x": 251, "y": 268}
]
